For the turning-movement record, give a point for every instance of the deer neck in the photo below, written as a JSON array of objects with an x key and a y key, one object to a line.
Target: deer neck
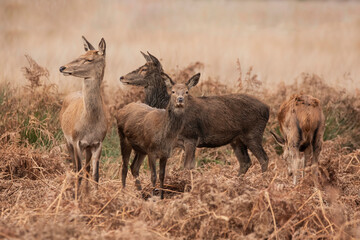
[
  {"x": 157, "y": 96},
  {"x": 174, "y": 122},
  {"x": 92, "y": 96}
]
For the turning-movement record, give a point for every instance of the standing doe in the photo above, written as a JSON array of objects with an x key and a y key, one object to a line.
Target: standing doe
[
  {"x": 214, "y": 121},
  {"x": 154, "y": 131},
  {"x": 83, "y": 115},
  {"x": 302, "y": 124}
]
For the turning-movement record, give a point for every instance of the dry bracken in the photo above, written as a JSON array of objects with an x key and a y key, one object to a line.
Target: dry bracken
[{"x": 38, "y": 202}]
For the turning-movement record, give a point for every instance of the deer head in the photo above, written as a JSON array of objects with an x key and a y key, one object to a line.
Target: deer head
[
  {"x": 89, "y": 64},
  {"x": 146, "y": 75},
  {"x": 287, "y": 155},
  {"x": 179, "y": 93}
]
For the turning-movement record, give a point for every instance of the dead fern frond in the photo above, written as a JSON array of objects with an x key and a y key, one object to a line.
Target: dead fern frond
[
  {"x": 182, "y": 75},
  {"x": 249, "y": 83},
  {"x": 240, "y": 84},
  {"x": 34, "y": 72}
]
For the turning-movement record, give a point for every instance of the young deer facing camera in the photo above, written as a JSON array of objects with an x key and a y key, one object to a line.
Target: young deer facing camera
[
  {"x": 153, "y": 131},
  {"x": 83, "y": 115},
  {"x": 302, "y": 124}
]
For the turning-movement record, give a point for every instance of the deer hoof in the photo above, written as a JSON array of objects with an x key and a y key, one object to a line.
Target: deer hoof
[
  {"x": 264, "y": 167},
  {"x": 138, "y": 185}
]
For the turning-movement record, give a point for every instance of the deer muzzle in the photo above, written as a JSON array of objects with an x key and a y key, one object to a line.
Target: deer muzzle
[
  {"x": 180, "y": 102},
  {"x": 123, "y": 80},
  {"x": 62, "y": 68}
]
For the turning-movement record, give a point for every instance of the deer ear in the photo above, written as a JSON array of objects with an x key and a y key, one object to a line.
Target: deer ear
[
  {"x": 167, "y": 79},
  {"x": 102, "y": 47},
  {"x": 193, "y": 81},
  {"x": 155, "y": 61},
  {"x": 147, "y": 58},
  {"x": 280, "y": 140},
  {"x": 87, "y": 45}
]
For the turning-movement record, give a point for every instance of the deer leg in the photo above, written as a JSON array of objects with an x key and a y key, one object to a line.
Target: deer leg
[
  {"x": 189, "y": 156},
  {"x": 257, "y": 149},
  {"x": 294, "y": 162},
  {"x": 180, "y": 144},
  {"x": 307, "y": 156},
  {"x": 162, "y": 175},
  {"x": 135, "y": 168},
  {"x": 96, "y": 153},
  {"x": 136, "y": 164},
  {"x": 125, "y": 153},
  {"x": 242, "y": 155},
  {"x": 317, "y": 146},
  {"x": 70, "y": 149},
  {"x": 152, "y": 165},
  {"x": 88, "y": 155},
  {"x": 77, "y": 155}
]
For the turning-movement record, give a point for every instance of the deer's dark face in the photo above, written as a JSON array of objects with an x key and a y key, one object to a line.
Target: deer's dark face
[
  {"x": 151, "y": 74},
  {"x": 143, "y": 76}
]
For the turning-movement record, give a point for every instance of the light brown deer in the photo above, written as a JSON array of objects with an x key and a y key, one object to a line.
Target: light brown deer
[
  {"x": 213, "y": 121},
  {"x": 302, "y": 124},
  {"x": 83, "y": 116},
  {"x": 153, "y": 131}
]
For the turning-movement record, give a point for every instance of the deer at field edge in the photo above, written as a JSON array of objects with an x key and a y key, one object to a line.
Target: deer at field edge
[
  {"x": 302, "y": 124},
  {"x": 84, "y": 116}
]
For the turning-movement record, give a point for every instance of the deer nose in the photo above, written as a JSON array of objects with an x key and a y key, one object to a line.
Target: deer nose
[
  {"x": 62, "y": 68},
  {"x": 121, "y": 78},
  {"x": 180, "y": 99}
]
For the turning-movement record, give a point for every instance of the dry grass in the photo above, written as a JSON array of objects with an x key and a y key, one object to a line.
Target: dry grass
[
  {"x": 39, "y": 199},
  {"x": 207, "y": 203},
  {"x": 29, "y": 115},
  {"x": 284, "y": 47}
]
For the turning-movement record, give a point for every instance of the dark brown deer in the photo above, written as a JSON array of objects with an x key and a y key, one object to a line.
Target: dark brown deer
[
  {"x": 84, "y": 116},
  {"x": 235, "y": 119},
  {"x": 153, "y": 131},
  {"x": 302, "y": 124}
]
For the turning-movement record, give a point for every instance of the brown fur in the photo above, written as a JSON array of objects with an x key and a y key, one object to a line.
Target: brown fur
[
  {"x": 84, "y": 117},
  {"x": 302, "y": 124},
  {"x": 236, "y": 119},
  {"x": 153, "y": 131}
]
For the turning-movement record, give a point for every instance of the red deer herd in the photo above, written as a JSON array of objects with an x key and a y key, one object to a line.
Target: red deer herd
[{"x": 170, "y": 117}]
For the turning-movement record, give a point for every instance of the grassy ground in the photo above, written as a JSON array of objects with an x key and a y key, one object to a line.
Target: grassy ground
[
  {"x": 40, "y": 201},
  {"x": 294, "y": 46}
]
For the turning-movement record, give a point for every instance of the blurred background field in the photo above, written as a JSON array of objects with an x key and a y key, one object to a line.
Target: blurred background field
[{"x": 281, "y": 39}]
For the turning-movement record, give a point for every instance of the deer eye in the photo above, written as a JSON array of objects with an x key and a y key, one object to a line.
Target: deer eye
[
  {"x": 89, "y": 60},
  {"x": 172, "y": 92},
  {"x": 186, "y": 92}
]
